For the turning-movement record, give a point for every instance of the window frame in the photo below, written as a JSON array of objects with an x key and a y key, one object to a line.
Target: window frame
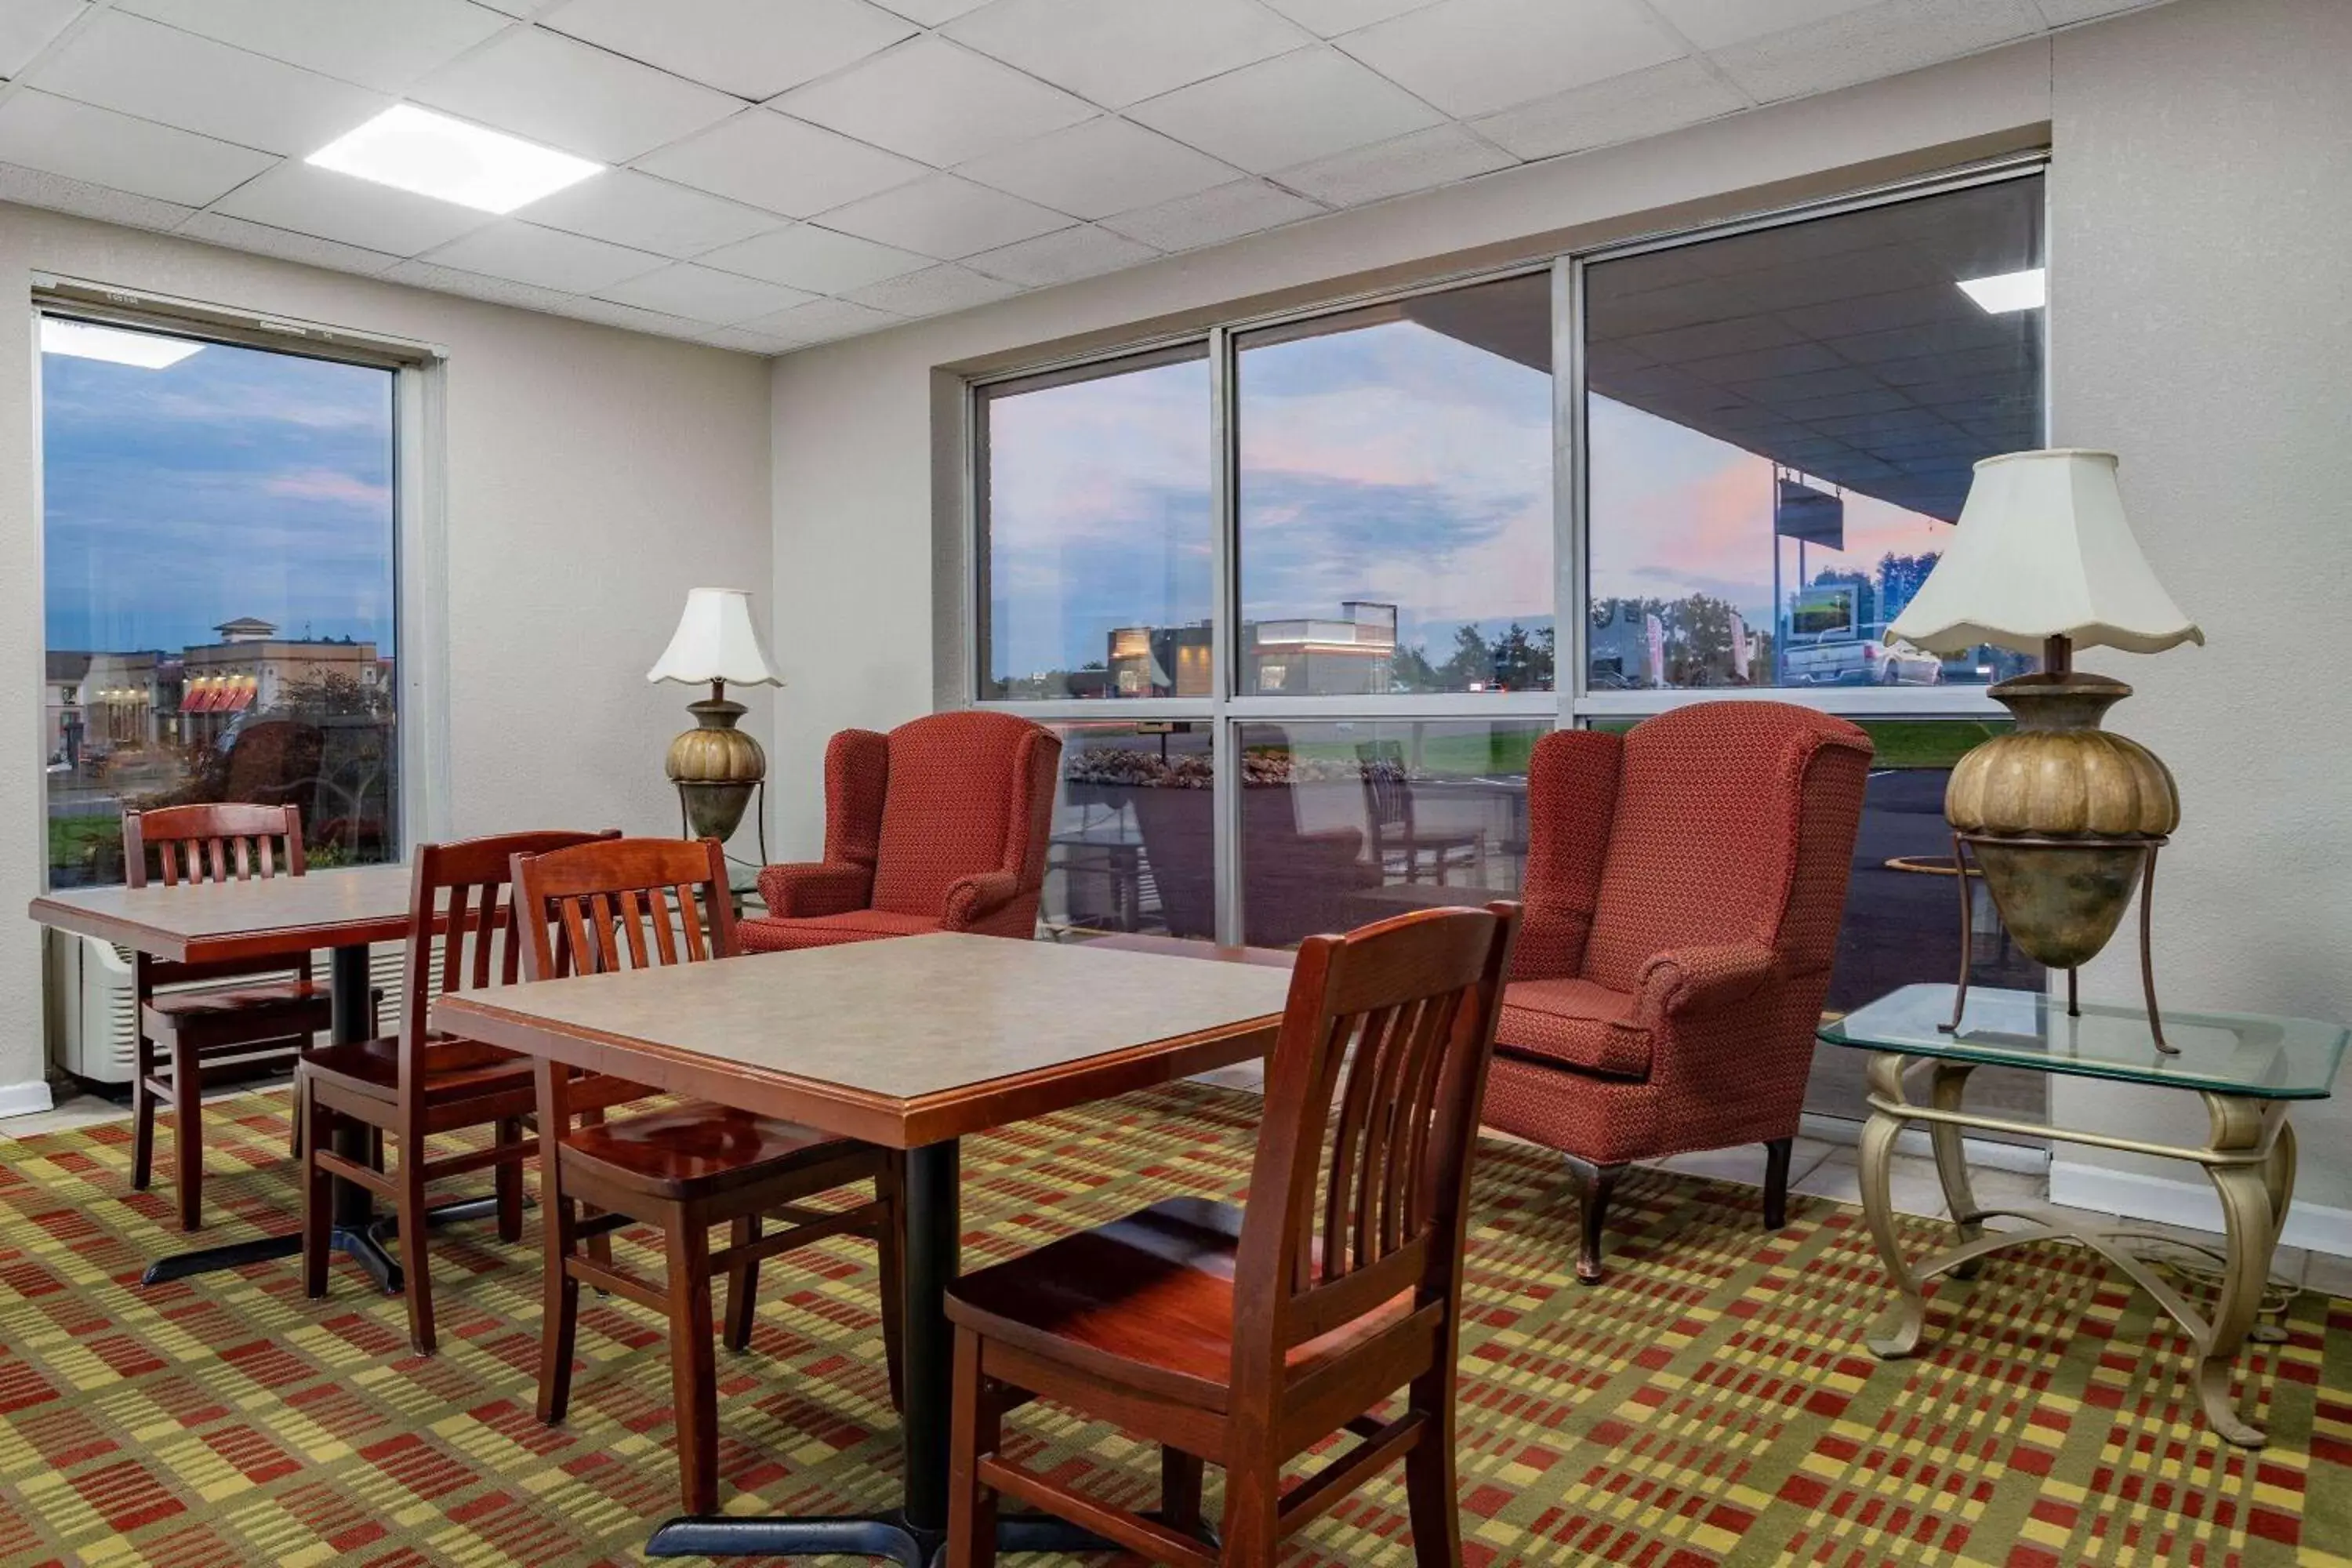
[
  {"x": 419, "y": 530},
  {"x": 1572, "y": 704}
]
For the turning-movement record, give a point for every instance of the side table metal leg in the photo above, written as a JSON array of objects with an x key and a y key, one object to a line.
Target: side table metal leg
[
  {"x": 2251, "y": 1224},
  {"x": 1951, "y": 1161},
  {"x": 1907, "y": 1319}
]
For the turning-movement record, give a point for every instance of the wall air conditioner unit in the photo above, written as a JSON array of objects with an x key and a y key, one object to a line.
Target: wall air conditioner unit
[{"x": 94, "y": 1020}]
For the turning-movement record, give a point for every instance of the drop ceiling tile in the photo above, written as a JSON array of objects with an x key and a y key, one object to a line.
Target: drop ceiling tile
[
  {"x": 364, "y": 41},
  {"x": 1474, "y": 56},
  {"x": 822, "y": 321},
  {"x": 295, "y": 196},
  {"x": 752, "y": 48},
  {"x": 136, "y": 66},
  {"x": 1330, "y": 18},
  {"x": 1438, "y": 156},
  {"x": 543, "y": 258},
  {"x": 81, "y": 141},
  {"x": 1884, "y": 39},
  {"x": 2066, "y": 12},
  {"x": 1711, "y": 338},
  {"x": 944, "y": 217},
  {"x": 218, "y": 228},
  {"x": 936, "y": 101},
  {"x": 1212, "y": 218},
  {"x": 28, "y": 25},
  {"x": 741, "y": 341},
  {"x": 418, "y": 274},
  {"x": 1622, "y": 109},
  {"x": 819, "y": 259},
  {"x": 571, "y": 95},
  {"x": 38, "y": 188},
  {"x": 933, "y": 292},
  {"x": 1104, "y": 166},
  {"x": 1717, "y": 23},
  {"x": 630, "y": 318},
  {"x": 704, "y": 294},
  {"x": 1291, "y": 109},
  {"x": 1085, "y": 251},
  {"x": 523, "y": 8},
  {"x": 1117, "y": 52},
  {"x": 781, "y": 166},
  {"x": 648, "y": 214}
]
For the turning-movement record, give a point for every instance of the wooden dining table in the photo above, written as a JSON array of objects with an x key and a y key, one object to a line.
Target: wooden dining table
[
  {"x": 913, "y": 1043},
  {"x": 341, "y": 911}
]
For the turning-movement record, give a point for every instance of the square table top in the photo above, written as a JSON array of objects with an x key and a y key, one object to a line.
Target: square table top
[
  {"x": 259, "y": 917},
  {"x": 903, "y": 1042},
  {"x": 2249, "y": 1054}
]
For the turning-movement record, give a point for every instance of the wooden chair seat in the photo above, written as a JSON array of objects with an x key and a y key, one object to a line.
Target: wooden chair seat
[
  {"x": 1146, "y": 1301},
  {"x": 287, "y": 991},
  {"x": 698, "y": 1150},
  {"x": 453, "y": 1070}
]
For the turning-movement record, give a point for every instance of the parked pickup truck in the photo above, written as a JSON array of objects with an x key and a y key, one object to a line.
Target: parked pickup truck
[{"x": 1862, "y": 662}]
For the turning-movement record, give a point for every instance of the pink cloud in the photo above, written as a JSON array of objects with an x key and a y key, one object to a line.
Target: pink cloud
[{"x": 327, "y": 484}]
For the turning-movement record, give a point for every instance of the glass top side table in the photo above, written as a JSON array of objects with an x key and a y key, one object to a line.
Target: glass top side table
[{"x": 2248, "y": 1067}]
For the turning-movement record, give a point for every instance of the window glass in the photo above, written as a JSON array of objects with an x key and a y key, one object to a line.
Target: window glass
[
  {"x": 1097, "y": 521},
  {"x": 218, "y": 536},
  {"x": 1343, "y": 824},
  {"x": 1134, "y": 844},
  {"x": 1396, "y": 500},
  {"x": 1783, "y": 424}
]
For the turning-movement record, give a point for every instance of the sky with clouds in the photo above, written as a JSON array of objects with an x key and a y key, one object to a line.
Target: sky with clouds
[{"x": 237, "y": 482}]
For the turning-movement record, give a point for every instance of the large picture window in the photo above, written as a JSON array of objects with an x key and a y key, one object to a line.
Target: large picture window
[{"x": 218, "y": 557}]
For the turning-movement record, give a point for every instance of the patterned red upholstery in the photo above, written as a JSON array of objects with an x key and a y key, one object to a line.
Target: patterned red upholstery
[
  {"x": 1685, "y": 886},
  {"x": 940, "y": 825}
]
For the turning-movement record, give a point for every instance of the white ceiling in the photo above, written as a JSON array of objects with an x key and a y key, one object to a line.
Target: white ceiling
[{"x": 794, "y": 171}]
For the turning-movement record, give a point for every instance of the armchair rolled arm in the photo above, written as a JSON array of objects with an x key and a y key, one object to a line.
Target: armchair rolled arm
[
  {"x": 816, "y": 888},
  {"x": 1704, "y": 978},
  {"x": 972, "y": 900}
]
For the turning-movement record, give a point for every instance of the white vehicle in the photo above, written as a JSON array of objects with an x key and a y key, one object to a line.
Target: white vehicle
[{"x": 1828, "y": 647}]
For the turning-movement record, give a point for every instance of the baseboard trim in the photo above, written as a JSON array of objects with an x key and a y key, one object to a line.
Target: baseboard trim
[
  {"x": 26, "y": 1098},
  {"x": 2135, "y": 1195},
  {"x": 1983, "y": 1153}
]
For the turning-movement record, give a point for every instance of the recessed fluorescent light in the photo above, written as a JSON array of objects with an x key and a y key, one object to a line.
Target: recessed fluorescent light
[
  {"x": 82, "y": 339},
  {"x": 416, "y": 150},
  {"x": 2007, "y": 291}
]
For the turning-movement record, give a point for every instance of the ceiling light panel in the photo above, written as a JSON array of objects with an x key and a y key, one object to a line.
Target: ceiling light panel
[
  {"x": 413, "y": 148},
  {"x": 2006, "y": 291}
]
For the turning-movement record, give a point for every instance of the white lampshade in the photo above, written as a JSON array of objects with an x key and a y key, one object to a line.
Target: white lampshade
[
  {"x": 2043, "y": 551},
  {"x": 715, "y": 641}
]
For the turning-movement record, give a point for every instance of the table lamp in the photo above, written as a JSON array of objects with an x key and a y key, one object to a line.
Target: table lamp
[
  {"x": 2062, "y": 817},
  {"x": 716, "y": 767}
]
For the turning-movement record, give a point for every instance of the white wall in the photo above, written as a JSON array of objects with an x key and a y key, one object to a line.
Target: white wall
[
  {"x": 2201, "y": 270},
  {"x": 2200, "y": 326},
  {"x": 593, "y": 476}
]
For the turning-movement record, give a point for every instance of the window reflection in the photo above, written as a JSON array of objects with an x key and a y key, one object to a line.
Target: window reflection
[
  {"x": 1134, "y": 840},
  {"x": 1781, "y": 427}
]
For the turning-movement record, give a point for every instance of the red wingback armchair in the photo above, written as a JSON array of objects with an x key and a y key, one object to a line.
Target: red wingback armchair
[
  {"x": 940, "y": 824},
  {"x": 1685, "y": 884}
]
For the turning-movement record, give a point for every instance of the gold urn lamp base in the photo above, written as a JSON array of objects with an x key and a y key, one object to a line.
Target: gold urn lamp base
[
  {"x": 2063, "y": 819},
  {"x": 718, "y": 769}
]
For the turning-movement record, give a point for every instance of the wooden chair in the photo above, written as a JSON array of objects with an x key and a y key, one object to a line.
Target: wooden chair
[
  {"x": 271, "y": 1013},
  {"x": 418, "y": 1084},
  {"x": 632, "y": 903},
  {"x": 1244, "y": 1338},
  {"x": 1396, "y": 830}
]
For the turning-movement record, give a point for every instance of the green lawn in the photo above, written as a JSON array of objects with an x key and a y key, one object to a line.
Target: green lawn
[{"x": 72, "y": 836}]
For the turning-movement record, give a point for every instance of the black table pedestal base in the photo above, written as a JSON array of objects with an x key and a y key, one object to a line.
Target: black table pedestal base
[
  {"x": 363, "y": 1244},
  {"x": 885, "y": 1535}
]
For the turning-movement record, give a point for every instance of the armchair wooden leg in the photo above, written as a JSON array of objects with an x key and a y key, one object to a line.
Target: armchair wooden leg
[
  {"x": 1776, "y": 1183},
  {"x": 1594, "y": 1184}
]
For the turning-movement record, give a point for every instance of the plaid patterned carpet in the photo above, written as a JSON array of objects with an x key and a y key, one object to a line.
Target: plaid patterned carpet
[{"x": 1709, "y": 1405}]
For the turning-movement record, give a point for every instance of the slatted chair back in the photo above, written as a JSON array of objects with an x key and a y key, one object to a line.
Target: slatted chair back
[
  {"x": 213, "y": 842},
  {"x": 459, "y": 896},
  {"x": 1361, "y": 1188},
  {"x": 623, "y": 903},
  {"x": 1388, "y": 796}
]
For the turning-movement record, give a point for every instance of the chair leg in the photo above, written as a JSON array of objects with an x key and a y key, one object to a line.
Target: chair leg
[
  {"x": 508, "y": 1180},
  {"x": 977, "y": 1425},
  {"x": 1252, "y": 1521},
  {"x": 416, "y": 1274},
  {"x": 1594, "y": 1184},
  {"x": 890, "y": 1277},
  {"x": 693, "y": 1369},
  {"x": 318, "y": 1200},
  {"x": 1429, "y": 1481},
  {"x": 143, "y": 1120},
  {"x": 742, "y": 1284},
  {"x": 1776, "y": 1183},
  {"x": 1180, "y": 1491},
  {"x": 559, "y": 1325},
  {"x": 188, "y": 1135}
]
